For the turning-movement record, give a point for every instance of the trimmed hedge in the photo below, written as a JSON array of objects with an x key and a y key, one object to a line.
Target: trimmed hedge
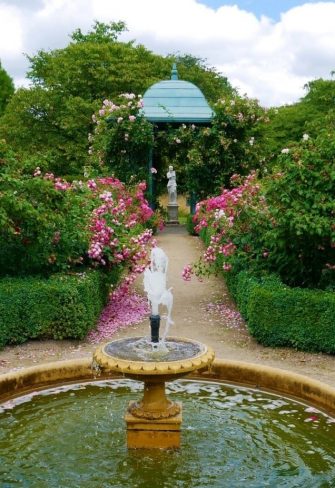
[
  {"x": 278, "y": 315},
  {"x": 62, "y": 306}
]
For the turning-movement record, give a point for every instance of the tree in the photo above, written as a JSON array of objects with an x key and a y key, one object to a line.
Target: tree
[
  {"x": 6, "y": 89},
  {"x": 54, "y": 116},
  {"x": 290, "y": 122},
  {"x": 101, "y": 32},
  {"x": 207, "y": 78},
  {"x": 43, "y": 124}
]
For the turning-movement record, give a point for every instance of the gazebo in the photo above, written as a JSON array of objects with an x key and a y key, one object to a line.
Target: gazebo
[{"x": 174, "y": 101}]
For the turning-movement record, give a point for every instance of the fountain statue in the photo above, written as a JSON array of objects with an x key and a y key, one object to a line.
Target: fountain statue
[
  {"x": 154, "y": 422},
  {"x": 154, "y": 282},
  {"x": 172, "y": 206}
]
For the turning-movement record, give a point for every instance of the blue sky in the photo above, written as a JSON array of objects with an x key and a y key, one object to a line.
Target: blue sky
[{"x": 270, "y": 8}]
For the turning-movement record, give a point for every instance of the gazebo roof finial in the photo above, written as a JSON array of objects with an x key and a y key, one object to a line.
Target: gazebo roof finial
[{"x": 174, "y": 72}]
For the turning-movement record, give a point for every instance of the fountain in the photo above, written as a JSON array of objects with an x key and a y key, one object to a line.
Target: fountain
[
  {"x": 154, "y": 422},
  {"x": 60, "y": 425}
]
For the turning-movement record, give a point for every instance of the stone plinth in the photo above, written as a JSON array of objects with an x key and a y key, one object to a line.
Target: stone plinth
[
  {"x": 153, "y": 434},
  {"x": 172, "y": 209}
]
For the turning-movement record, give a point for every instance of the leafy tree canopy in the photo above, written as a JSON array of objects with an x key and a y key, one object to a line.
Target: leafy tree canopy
[
  {"x": 68, "y": 85},
  {"x": 290, "y": 122},
  {"x": 6, "y": 89},
  {"x": 101, "y": 32}
]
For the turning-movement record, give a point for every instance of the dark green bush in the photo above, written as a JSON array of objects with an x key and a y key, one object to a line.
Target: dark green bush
[
  {"x": 42, "y": 230},
  {"x": 278, "y": 315},
  {"x": 63, "y": 306}
]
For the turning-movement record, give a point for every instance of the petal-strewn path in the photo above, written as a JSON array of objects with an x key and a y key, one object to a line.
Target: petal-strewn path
[{"x": 202, "y": 311}]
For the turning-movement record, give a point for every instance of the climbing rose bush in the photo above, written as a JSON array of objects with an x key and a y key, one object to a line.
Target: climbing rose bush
[
  {"x": 117, "y": 233},
  {"x": 116, "y": 225},
  {"x": 49, "y": 224},
  {"x": 121, "y": 138},
  {"x": 226, "y": 221},
  {"x": 282, "y": 224}
]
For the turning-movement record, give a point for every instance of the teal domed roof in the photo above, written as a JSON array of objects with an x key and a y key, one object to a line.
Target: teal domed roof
[{"x": 176, "y": 101}]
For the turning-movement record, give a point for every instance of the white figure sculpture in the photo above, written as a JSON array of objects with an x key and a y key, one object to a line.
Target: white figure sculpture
[
  {"x": 155, "y": 286},
  {"x": 172, "y": 185}
]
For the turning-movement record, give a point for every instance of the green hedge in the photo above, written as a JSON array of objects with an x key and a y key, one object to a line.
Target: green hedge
[
  {"x": 278, "y": 315},
  {"x": 62, "y": 306}
]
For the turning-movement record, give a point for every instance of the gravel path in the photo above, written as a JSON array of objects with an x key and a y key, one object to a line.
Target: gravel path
[{"x": 202, "y": 311}]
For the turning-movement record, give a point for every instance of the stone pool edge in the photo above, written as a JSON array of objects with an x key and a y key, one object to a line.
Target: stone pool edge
[{"x": 271, "y": 379}]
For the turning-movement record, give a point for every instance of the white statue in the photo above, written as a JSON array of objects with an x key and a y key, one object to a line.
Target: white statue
[
  {"x": 155, "y": 285},
  {"x": 172, "y": 185}
]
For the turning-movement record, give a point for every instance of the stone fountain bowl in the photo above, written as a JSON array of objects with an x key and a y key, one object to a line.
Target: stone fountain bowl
[
  {"x": 130, "y": 358},
  {"x": 154, "y": 364}
]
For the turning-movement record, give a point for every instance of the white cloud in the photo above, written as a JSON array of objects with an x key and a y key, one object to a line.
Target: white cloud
[
  {"x": 269, "y": 60},
  {"x": 10, "y": 30}
]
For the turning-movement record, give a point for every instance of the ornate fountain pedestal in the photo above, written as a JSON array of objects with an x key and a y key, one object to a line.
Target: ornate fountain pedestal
[
  {"x": 154, "y": 421},
  {"x": 158, "y": 433}
]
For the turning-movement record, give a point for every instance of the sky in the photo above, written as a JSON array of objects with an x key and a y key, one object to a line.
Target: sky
[{"x": 268, "y": 49}]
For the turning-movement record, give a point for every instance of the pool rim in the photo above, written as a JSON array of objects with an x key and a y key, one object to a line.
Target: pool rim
[{"x": 239, "y": 373}]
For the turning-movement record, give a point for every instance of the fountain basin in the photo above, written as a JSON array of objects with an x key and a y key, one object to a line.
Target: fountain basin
[
  {"x": 182, "y": 356},
  {"x": 72, "y": 435}
]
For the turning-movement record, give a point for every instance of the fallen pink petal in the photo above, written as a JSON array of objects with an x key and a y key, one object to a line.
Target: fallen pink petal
[{"x": 125, "y": 308}]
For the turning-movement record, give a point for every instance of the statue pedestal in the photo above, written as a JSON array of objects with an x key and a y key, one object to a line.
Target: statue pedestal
[{"x": 172, "y": 209}]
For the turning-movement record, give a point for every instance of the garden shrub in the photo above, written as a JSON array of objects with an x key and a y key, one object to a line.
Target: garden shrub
[
  {"x": 43, "y": 228},
  {"x": 280, "y": 316},
  {"x": 281, "y": 224},
  {"x": 63, "y": 306},
  {"x": 49, "y": 225}
]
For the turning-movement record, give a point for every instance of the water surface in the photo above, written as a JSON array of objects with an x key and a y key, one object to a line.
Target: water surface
[{"x": 74, "y": 436}]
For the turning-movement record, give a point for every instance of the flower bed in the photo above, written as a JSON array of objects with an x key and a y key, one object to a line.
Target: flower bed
[
  {"x": 63, "y": 244},
  {"x": 273, "y": 239}
]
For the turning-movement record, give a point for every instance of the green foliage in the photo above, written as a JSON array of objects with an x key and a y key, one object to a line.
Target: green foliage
[
  {"x": 206, "y": 157},
  {"x": 64, "y": 306},
  {"x": 51, "y": 119},
  {"x": 48, "y": 125},
  {"x": 122, "y": 139},
  {"x": 42, "y": 230},
  {"x": 300, "y": 196},
  {"x": 284, "y": 223},
  {"x": 101, "y": 33},
  {"x": 190, "y": 225},
  {"x": 290, "y": 122},
  {"x": 6, "y": 89},
  {"x": 279, "y": 316}
]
